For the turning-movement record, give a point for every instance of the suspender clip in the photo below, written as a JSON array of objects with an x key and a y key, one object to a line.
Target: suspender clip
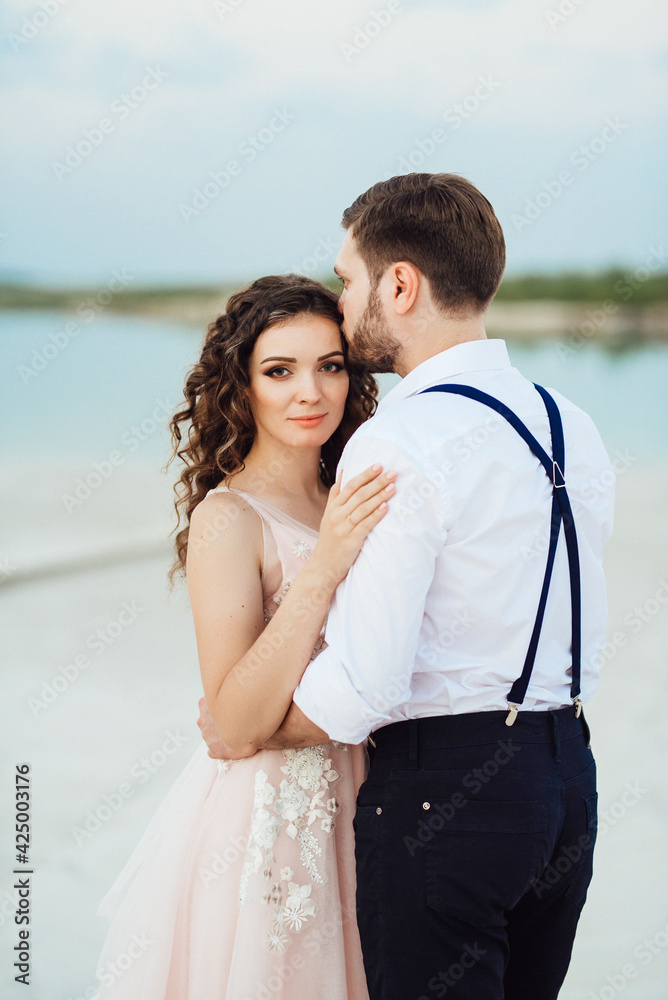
[
  {"x": 371, "y": 741},
  {"x": 512, "y": 713},
  {"x": 558, "y": 474},
  {"x": 578, "y": 707}
]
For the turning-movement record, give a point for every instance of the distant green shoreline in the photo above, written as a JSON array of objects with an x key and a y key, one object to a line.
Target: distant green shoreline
[
  {"x": 614, "y": 306},
  {"x": 639, "y": 287}
]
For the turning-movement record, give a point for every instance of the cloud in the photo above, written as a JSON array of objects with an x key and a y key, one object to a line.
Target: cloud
[{"x": 367, "y": 83}]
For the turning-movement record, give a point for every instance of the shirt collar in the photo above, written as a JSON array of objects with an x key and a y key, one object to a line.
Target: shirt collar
[{"x": 473, "y": 356}]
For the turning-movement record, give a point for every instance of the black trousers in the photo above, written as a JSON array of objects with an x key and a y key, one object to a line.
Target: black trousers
[{"x": 474, "y": 845}]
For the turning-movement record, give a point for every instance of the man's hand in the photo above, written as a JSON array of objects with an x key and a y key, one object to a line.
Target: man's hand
[
  {"x": 296, "y": 732},
  {"x": 218, "y": 748}
]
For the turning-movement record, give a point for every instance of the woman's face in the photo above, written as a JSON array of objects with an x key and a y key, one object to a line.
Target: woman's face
[{"x": 298, "y": 382}]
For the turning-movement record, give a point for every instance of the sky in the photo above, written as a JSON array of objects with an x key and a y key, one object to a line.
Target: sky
[{"x": 151, "y": 141}]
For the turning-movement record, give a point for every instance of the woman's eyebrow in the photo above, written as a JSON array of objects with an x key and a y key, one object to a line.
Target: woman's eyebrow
[{"x": 294, "y": 360}]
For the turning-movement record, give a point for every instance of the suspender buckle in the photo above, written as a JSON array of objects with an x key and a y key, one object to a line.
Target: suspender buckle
[
  {"x": 578, "y": 707},
  {"x": 557, "y": 474},
  {"x": 371, "y": 741},
  {"x": 512, "y": 713}
]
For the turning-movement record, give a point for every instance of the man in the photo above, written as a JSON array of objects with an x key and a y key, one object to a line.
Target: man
[{"x": 464, "y": 638}]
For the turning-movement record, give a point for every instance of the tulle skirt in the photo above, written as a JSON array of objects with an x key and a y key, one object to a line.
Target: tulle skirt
[{"x": 243, "y": 885}]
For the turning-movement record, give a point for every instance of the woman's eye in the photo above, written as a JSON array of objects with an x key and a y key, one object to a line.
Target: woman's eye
[
  {"x": 278, "y": 370},
  {"x": 334, "y": 366}
]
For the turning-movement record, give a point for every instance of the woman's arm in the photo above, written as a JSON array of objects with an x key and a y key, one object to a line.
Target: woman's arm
[
  {"x": 295, "y": 732},
  {"x": 249, "y": 671}
]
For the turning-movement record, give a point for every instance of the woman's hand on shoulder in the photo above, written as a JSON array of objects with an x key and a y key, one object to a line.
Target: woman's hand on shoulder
[{"x": 350, "y": 514}]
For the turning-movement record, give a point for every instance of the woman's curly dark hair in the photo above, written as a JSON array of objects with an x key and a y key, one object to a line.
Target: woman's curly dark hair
[{"x": 220, "y": 424}]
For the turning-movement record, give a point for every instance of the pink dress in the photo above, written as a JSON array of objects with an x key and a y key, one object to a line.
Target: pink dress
[{"x": 243, "y": 885}]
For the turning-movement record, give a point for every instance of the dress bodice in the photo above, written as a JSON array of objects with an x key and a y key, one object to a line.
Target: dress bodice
[{"x": 288, "y": 544}]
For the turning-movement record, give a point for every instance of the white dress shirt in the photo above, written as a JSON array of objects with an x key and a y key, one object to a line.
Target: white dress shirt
[{"x": 436, "y": 613}]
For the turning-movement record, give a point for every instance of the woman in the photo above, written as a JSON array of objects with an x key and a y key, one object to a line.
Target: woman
[{"x": 243, "y": 884}]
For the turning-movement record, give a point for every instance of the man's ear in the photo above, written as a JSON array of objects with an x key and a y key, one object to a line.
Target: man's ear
[{"x": 405, "y": 279}]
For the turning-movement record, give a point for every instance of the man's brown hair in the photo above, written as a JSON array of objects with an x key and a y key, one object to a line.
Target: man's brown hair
[{"x": 442, "y": 225}]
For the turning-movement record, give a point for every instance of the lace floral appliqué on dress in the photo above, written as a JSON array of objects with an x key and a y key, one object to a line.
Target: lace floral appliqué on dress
[
  {"x": 305, "y": 806},
  {"x": 302, "y": 550}
]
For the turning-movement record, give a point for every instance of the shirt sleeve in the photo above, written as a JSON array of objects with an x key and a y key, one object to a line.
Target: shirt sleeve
[
  {"x": 594, "y": 474},
  {"x": 377, "y": 612}
]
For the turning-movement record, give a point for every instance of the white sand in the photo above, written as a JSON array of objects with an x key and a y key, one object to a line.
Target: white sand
[{"x": 145, "y": 684}]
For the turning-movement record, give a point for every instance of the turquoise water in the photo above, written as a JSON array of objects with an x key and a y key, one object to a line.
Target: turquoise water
[{"x": 111, "y": 384}]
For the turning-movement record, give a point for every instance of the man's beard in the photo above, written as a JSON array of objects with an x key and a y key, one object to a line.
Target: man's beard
[{"x": 372, "y": 344}]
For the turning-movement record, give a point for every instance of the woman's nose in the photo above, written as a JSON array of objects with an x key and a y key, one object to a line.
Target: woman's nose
[{"x": 308, "y": 390}]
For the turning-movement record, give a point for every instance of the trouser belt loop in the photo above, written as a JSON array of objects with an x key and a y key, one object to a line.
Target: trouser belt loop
[
  {"x": 413, "y": 742},
  {"x": 555, "y": 736}
]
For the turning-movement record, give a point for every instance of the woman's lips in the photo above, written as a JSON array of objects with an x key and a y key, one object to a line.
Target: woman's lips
[{"x": 309, "y": 421}]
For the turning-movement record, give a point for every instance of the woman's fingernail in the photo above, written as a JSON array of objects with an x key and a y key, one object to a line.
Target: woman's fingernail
[
  {"x": 376, "y": 467},
  {"x": 388, "y": 489}
]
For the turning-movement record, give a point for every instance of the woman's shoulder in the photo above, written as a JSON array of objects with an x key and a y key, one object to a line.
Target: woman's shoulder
[{"x": 227, "y": 516}]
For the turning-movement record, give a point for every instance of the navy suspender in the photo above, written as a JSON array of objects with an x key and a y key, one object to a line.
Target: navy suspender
[{"x": 555, "y": 468}]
